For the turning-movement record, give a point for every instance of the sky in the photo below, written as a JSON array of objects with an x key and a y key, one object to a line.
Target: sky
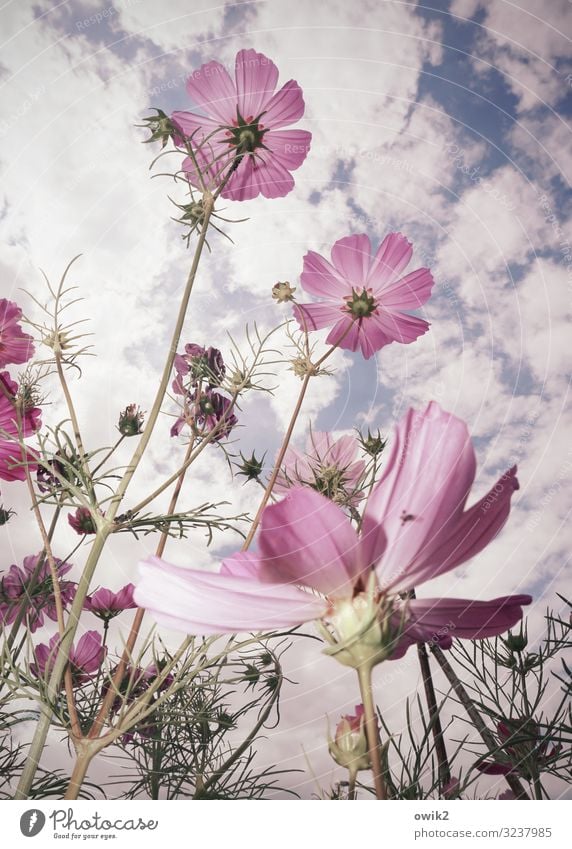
[{"x": 447, "y": 120}]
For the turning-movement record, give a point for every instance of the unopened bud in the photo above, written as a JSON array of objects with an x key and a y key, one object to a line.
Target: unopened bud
[
  {"x": 283, "y": 292},
  {"x": 131, "y": 421},
  {"x": 349, "y": 747}
]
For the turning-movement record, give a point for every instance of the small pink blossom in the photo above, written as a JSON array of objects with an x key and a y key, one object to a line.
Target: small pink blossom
[
  {"x": 363, "y": 296},
  {"x": 14, "y": 423},
  {"x": 241, "y": 131},
  {"x": 82, "y": 521},
  {"x": 16, "y": 588},
  {"x": 329, "y": 466},
  {"x": 15, "y": 346},
  {"x": 106, "y": 604},
  {"x": 84, "y": 659},
  {"x": 312, "y": 564}
]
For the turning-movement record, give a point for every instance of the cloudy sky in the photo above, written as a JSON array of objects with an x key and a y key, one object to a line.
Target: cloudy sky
[{"x": 446, "y": 120}]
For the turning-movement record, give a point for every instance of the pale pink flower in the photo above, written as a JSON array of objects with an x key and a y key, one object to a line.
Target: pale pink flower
[
  {"x": 242, "y": 128},
  {"x": 311, "y": 563},
  {"x": 15, "y": 345},
  {"x": 363, "y": 295},
  {"x": 329, "y": 466},
  {"x": 84, "y": 659}
]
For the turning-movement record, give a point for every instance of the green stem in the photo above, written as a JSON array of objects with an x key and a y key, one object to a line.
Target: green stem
[
  {"x": 371, "y": 729},
  {"x": 105, "y": 528}
]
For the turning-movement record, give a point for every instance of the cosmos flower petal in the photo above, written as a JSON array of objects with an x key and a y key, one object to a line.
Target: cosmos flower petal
[
  {"x": 316, "y": 316},
  {"x": 198, "y": 602},
  {"x": 422, "y": 491},
  {"x": 307, "y": 539},
  {"x": 442, "y": 619},
  {"x": 351, "y": 256},
  {"x": 285, "y": 107},
  {"x": 213, "y": 90},
  {"x": 289, "y": 147},
  {"x": 321, "y": 279},
  {"x": 392, "y": 257},
  {"x": 408, "y": 293},
  {"x": 397, "y": 327},
  {"x": 256, "y": 79}
]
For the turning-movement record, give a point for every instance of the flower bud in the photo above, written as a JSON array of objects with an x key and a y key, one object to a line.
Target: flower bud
[
  {"x": 283, "y": 292},
  {"x": 250, "y": 467},
  {"x": 372, "y": 444},
  {"x": 160, "y": 126},
  {"x": 349, "y": 747},
  {"x": 131, "y": 421},
  {"x": 516, "y": 642}
]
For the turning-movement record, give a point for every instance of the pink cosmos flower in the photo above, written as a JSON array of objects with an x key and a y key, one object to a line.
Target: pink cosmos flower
[
  {"x": 205, "y": 413},
  {"x": 15, "y": 345},
  {"x": 82, "y": 521},
  {"x": 16, "y": 588},
  {"x": 311, "y": 563},
  {"x": 106, "y": 604},
  {"x": 12, "y": 457},
  {"x": 329, "y": 466},
  {"x": 84, "y": 659},
  {"x": 363, "y": 296},
  {"x": 241, "y": 130}
]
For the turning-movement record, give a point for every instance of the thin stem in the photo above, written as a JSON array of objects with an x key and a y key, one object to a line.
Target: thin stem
[
  {"x": 278, "y": 463},
  {"x": 47, "y": 547},
  {"x": 352, "y": 778},
  {"x": 110, "y": 453},
  {"x": 436, "y": 727},
  {"x": 106, "y": 526},
  {"x": 135, "y": 627},
  {"x": 73, "y": 416},
  {"x": 371, "y": 729},
  {"x": 512, "y": 780}
]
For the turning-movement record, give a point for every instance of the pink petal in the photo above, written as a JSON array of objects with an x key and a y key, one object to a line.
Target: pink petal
[
  {"x": 259, "y": 174},
  {"x": 409, "y": 292},
  {"x": 316, "y": 316},
  {"x": 242, "y": 564},
  {"x": 285, "y": 107},
  {"x": 345, "y": 334},
  {"x": 398, "y": 326},
  {"x": 199, "y": 602},
  {"x": 421, "y": 495},
  {"x": 365, "y": 334},
  {"x": 440, "y": 620},
  {"x": 321, "y": 279},
  {"x": 351, "y": 256},
  {"x": 392, "y": 257},
  {"x": 213, "y": 91},
  {"x": 289, "y": 147},
  {"x": 193, "y": 126},
  {"x": 474, "y": 529},
  {"x": 307, "y": 539},
  {"x": 256, "y": 78}
]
